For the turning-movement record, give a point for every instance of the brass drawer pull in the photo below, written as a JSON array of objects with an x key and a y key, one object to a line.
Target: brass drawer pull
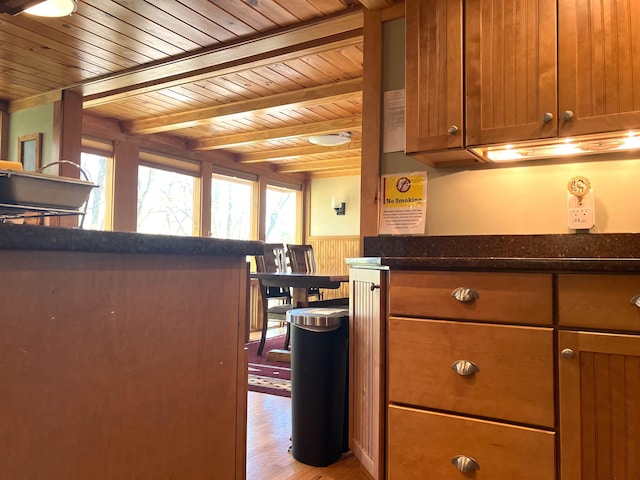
[
  {"x": 464, "y": 294},
  {"x": 465, "y": 464},
  {"x": 635, "y": 300},
  {"x": 464, "y": 367}
]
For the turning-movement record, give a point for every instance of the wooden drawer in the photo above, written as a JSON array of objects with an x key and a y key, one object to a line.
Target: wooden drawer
[
  {"x": 501, "y": 297},
  {"x": 422, "y": 445},
  {"x": 515, "y": 377},
  {"x": 599, "y": 301}
]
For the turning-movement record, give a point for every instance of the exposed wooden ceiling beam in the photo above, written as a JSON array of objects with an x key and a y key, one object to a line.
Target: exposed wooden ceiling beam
[
  {"x": 344, "y": 162},
  {"x": 308, "y": 38},
  {"x": 229, "y": 141},
  {"x": 346, "y": 90},
  {"x": 285, "y": 153},
  {"x": 334, "y": 173},
  {"x": 377, "y": 4}
]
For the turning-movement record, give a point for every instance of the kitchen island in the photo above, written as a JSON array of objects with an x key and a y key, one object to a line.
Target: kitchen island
[
  {"x": 122, "y": 355},
  {"x": 486, "y": 348}
]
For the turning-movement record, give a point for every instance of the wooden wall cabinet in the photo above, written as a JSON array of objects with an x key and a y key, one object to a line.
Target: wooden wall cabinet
[
  {"x": 598, "y": 66},
  {"x": 533, "y": 70},
  {"x": 368, "y": 296},
  {"x": 433, "y": 82},
  {"x": 599, "y": 377},
  {"x": 510, "y": 71}
]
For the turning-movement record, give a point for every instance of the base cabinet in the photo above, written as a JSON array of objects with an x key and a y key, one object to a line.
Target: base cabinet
[
  {"x": 367, "y": 368},
  {"x": 599, "y": 377},
  {"x": 123, "y": 365},
  {"x": 471, "y": 388},
  {"x": 496, "y": 375}
]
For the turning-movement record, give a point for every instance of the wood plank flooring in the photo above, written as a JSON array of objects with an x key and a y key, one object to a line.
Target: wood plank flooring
[{"x": 268, "y": 434}]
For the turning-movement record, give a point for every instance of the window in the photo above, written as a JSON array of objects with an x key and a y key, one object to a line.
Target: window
[
  {"x": 165, "y": 202},
  {"x": 99, "y": 205},
  {"x": 232, "y": 208},
  {"x": 281, "y": 222}
]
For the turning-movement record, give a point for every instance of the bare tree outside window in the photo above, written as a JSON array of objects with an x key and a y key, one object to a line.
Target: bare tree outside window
[
  {"x": 281, "y": 215},
  {"x": 165, "y": 202},
  {"x": 232, "y": 213},
  {"x": 98, "y": 171}
]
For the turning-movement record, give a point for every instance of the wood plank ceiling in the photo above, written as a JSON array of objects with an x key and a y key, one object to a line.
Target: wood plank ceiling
[{"x": 255, "y": 78}]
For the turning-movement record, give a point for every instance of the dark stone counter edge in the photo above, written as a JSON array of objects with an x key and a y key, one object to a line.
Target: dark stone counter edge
[
  {"x": 599, "y": 245},
  {"x": 603, "y": 265},
  {"x": 28, "y": 237},
  {"x": 614, "y": 252}
]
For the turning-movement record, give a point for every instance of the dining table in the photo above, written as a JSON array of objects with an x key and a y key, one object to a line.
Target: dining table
[{"x": 299, "y": 284}]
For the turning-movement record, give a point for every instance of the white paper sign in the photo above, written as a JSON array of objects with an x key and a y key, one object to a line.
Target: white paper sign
[{"x": 393, "y": 128}]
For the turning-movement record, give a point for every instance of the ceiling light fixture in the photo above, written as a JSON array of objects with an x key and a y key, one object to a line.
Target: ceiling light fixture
[
  {"x": 331, "y": 139},
  {"x": 53, "y": 8}
]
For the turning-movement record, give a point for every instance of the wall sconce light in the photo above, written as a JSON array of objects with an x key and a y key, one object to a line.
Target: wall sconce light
[{"x": 338, "y": 205}]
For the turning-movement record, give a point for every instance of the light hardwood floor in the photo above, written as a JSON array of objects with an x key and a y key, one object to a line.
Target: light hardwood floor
[{"x": 268, "y": 434}]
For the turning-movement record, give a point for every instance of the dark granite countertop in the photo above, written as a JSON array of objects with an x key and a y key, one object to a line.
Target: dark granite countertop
[
  {"x": 566, "y": 252},
  {"x": 27, "y": 237}
]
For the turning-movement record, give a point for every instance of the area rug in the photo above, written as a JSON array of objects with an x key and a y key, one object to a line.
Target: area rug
[{"x": 267, "y": 376}]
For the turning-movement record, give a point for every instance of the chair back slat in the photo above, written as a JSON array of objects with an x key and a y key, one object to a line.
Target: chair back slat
[
  {"x": 273, "y": 258},
  {"x": 301, "y": 258},
  {"x": 272, "y": 261}
]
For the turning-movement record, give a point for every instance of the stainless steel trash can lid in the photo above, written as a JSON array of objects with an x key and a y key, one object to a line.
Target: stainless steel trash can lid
[{"x": 320, "y": 318}]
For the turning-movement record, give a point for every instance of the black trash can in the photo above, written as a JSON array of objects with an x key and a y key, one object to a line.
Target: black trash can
[{"x": 319, "y": 384}]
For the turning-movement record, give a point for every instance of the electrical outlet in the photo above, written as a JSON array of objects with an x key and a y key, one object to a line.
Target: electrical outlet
[
  {"x": 580, "y": 218},
  {"x": 581, "y": 212}
]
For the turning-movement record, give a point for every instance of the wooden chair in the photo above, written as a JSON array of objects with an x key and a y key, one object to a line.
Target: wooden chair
[
  {"x": 302, "y": 260},
  {"x": 273, "y": 260}
]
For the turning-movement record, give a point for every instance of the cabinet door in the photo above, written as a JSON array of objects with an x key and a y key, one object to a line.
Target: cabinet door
[
  {"x": 366, "y": 364},
  {"x": 599, "y": 406},
  {"x": 599, "y": 65},
  {"x": 433, "y": 82},
  {"x": 510, "y": 71}
]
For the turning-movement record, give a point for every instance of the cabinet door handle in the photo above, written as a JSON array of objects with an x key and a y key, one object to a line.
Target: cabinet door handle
[
  {"x": 465, "y": 367},
  {"x": 464, "y": 294},
  {"x": 567, "y": 115},
  {"x": 453, "y": 130},
  {"x": 465, "y": 464},
  {"x": 547, "y": 117},
  {"x": 373, "y": 286},
  {"x": 567, "y": 353},
  {"x": 635, "y": 300}
]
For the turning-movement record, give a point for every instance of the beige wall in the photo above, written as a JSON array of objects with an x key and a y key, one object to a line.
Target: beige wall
[
  {"x": 29, "y": 121},
  {"x": 528, "y": 200},
  {"x": 513, "y": 200},
  {"x": 324, "y": 221}
]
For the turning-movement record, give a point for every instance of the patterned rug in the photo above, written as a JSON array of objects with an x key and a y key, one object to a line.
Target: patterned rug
[{"x": 266, "y": 376}]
